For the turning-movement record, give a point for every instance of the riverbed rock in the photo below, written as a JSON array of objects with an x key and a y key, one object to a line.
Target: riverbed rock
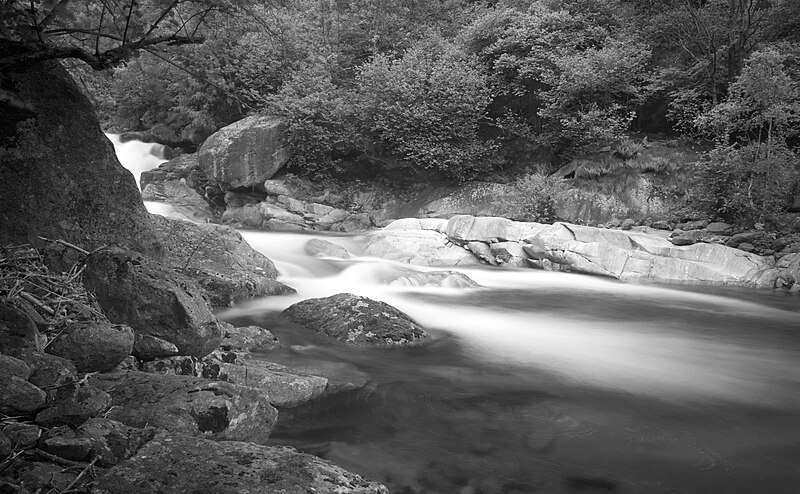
[
  {"x": 358, "y": 321},
  {"x": 248, "y": 339},
  {"x": 181, "y": 463},
  {"x": 10, "y": 366},
  {"x": 245, "y": 153},
  {"x": 180, "y": 195},
  {"x": 22, "y": 435},
  {"x": 421, "y": 247},
  {"x": 487, "y": 229},
  {"x": 147, "y": 347},
  {"x": 19, "y": 397},
  {"x": 112, "y": 442},
  {"x": 188, "y": 405},
  {"x": 73, "y": 406},
  {"x": 277, "y": 384},
  {"x": 220, "y": 260},
  {"x": 446, "y": 279},
  {"x": 69, "y": 448},
  {"x": 719, "y": 228},
  {"x": 93, "y": 346},
  {"x": 152, "y": 299},
  {"x": 318, "y": 247}
]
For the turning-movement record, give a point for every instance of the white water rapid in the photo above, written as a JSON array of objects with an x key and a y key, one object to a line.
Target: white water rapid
[{"x": 654, "y": 376}]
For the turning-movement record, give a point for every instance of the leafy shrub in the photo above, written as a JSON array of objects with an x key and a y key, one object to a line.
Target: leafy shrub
[
  {"x": 628, "y": 148},
  {"x": 534, "y": 197}
]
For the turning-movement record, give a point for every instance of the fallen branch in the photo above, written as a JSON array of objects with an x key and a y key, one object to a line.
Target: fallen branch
[
  {"x": 30, "y": 298},
  {"x": 66, "y": 244},
  {"x": 80, "y": 475}
]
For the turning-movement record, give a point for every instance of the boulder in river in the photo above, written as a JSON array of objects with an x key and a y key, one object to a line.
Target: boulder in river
[
  {"x": 245, "y": 153},
  {"x": 220, "y": 260},
  {"x": 323, "y": 248},
  {"x": 145, "y": 295},
  {"x": 358, "y": 321},
  {"x": 181, "y": 463},
  {"x": 248, "y": 339}
]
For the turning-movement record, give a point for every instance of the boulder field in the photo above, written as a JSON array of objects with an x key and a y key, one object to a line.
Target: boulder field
[{"x": 637, "y": 255}]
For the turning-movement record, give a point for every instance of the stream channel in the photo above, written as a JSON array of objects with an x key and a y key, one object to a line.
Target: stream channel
[{"x": 544, "y": 382}]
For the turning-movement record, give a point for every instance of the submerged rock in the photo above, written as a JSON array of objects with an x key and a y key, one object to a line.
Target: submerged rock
[
  {"x": 357, "y": 321},
  {"x": 322, "y": 248},
  {"x": 180, "y": 463},
  {"x": 152, "y": 299}
]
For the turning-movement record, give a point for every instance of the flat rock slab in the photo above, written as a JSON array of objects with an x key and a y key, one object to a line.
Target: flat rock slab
[
  {"x": 180, "y": 463},
  {"x": 357, "y": 321},
  {"x": 188, "y": 405}
]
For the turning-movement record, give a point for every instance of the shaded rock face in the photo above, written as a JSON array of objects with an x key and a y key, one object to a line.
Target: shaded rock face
[
  {"x": 248, "y": 339},
  {"x": 74, "y": 404},
  {"x": 169, "y": 463},
  {"x": 146, "y": 347},
  {"x": 63, "y": 179},
  {"x": 93, "y": 346},
  {"x": 188, "y": 405},
  {"x": 153, "y": 300},
  {"x": 18, "y": 331},
  {"x": 111, "y": 441},
  {"x": 219, "y": 259},
  {"x": 245, "y": 153},
  {"x": 357, "y": 321}
]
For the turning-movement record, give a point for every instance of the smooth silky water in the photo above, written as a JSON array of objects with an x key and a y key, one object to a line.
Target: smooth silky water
[{"x": 548, "y": 382}]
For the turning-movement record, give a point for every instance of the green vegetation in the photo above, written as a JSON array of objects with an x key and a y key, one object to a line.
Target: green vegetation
[{"x": 452, "y": 90}]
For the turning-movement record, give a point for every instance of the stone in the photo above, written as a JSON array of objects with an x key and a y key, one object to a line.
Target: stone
[
  {"x": 275, "y": 187},
  {"x": 746, "y": 246},
  {"x": 627, "y": 224},
  {"x": 318, "y": 247},
  {"x": 482, "y": 252},
  {"x": 353, "y": 223},
  {"x": 446, "y": 279},
  {"x": 112, "y": 442},
  {"x": 6, "y": 446},
  {"x": 188, "y": 405},
  {"x": 662, "y": 225},
  {"x": 66, "y": 181},
  {"x": 93, "y": 346},
  {"x": 19, "y": 397},
  {"x": 181, "y": 463},
  {"x": 693, "y": 225},
  {"x": 245, "y": 153},
  {"x": 74, "y": 449},
  {"x": 22, "y": 435},
  {"x": 73, "y": 409},
  {"x": 291, "y": 204},
  {"x": 719, "y": 228},
  {"x": 17, "y": 330},
  {"x": 332, "y": 216},
  {"x": 220, "y": 260},
  {"x": 280, "y": 387},
  {"x": 744, "y": 237},
  {"x": 147, "y": 347},
  {"x": 48, "y": 371},
  {"x": 10, "y": 366},
  {"x": 357, "y": 321},
  {"x": 421, "y": 247},
  {"x": 180, "y": 195},
  {"x": 249, "y": 339},
  {"x": 487, "y": 229},
  {"x": 249, "y": 216},
  {"x": 689, "y": 237},
  {"x": 153, "y": 300},
  {"x": 275, "y": 212},
  {"x": 276, "y": 225}
]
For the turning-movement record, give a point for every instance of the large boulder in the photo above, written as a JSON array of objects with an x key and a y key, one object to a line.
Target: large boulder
[
  {"x": 188, "y": 405},
  {"x": 18, "y": 331},
  {"x": 356, "y": 320},
  {"x": 93, "y": 346},
  {"x": 63, "y": 179},
  {"x": 245, "y": 153},
  {"x": 181, "y": 463},
  {"x": 421, "y": 247},
  {"x": 152, "y": 299},
  {"x": 220, "y": 260},
  {"x": 18, "y": 396}
]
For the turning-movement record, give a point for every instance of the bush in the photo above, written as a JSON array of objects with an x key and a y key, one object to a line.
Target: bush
[
  {"x": 534, "y": 197},
  {"x": 743, "y": 185}
]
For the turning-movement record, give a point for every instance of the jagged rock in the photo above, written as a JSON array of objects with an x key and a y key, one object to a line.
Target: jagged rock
[
  {"x": 220, "y": 260},
  {"x": 19, "y": 397},
  {"x": 75, "y": 405},
  {"x": 146, "y": 347},
  {"x": 18, "y": 331},
  {"x": 180, "y": 195},
  {"x": 10, "y": 366},
  {"x": 69, "y": 448},
  {"x": 153, "y": 300},
  {"x": 111, "y": 441},
  {"x": 22, "y": 435},
  {"x": 93, "y": 346},
  {"x": 170, "y": 463},
  {"x": 188, "y": 405},
  {"x": 357, "y": 321},
  {"x": 249, "y": 339},
  {"x": 245, "y": 153},
  {"x": 322, "y": 248}
]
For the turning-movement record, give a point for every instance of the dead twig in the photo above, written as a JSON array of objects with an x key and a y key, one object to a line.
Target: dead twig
[
  {"x": 80, "y": 475},
  {"x": 66, "y": 244}
]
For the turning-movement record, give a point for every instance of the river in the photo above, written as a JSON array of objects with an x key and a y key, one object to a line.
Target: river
[{"x": 548, "y": 382}]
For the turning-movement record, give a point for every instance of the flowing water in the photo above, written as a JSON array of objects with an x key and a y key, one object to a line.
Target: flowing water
[{"x": 549, "y": 382}]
